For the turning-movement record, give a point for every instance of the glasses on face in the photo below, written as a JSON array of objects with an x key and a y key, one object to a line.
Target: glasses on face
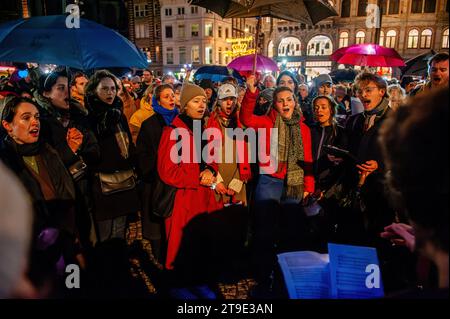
[{"x": 367, "y": 90}]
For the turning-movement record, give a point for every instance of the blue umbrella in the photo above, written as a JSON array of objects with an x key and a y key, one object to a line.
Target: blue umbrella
[
  {"x": 47, "y": 40},
  {"x": 217, "y": 73}
]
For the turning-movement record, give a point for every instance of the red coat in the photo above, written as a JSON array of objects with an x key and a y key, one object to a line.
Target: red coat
[
  {"x": 268, "y": 121},
  {"x": 191, "y": 199}
]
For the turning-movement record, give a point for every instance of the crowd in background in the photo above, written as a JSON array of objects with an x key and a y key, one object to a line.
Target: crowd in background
[{"x": 93, "y": 154}]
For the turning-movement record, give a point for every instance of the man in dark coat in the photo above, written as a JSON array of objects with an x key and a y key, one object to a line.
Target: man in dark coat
[{"x": 373, "y": 211}]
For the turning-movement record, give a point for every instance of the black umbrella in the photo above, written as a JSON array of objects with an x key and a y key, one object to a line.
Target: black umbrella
[
  {"x": 418, "y": 65},
  {"x": 343, "y": 75},
  {"x": 303, "y": 11}
]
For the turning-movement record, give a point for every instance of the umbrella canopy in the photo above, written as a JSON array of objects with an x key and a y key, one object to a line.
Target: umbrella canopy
[
  {"x": 368, "y": 54},
  {"x": 343, "y": 75},
  {"x": 418, "y": 65},
  {"x": 303, "y": 11},
  {"x": 47, "y": 40},
  {"x": 217, "y": 73},
  {"x": 245, "y": 63}
]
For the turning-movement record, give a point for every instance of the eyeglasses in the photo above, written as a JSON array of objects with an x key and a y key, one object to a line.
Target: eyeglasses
[{"x": 367, "y": 90}]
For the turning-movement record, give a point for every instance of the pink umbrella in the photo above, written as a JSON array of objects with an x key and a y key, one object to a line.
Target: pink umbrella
[
  {"x": 368, "y": 54},
  {"x": 245, "y": 63}
]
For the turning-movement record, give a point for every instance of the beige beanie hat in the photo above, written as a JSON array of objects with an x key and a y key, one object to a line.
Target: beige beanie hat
[{"x": 188, "y": 92}]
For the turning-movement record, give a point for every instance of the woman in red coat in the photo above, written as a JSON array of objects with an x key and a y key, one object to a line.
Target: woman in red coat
[
  {"x": 192, "y": 179},
  {"x": 284, "y": 183}
]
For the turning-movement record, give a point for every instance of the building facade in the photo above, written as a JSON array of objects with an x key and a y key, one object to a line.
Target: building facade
[
  {"x": 145, "y": 30},
  {"x": 412, "y": 27},
  {"x": 195, "y": 36}
]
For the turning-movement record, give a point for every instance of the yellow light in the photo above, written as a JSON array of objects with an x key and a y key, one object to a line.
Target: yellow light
[{"x": 239, "y": 47}]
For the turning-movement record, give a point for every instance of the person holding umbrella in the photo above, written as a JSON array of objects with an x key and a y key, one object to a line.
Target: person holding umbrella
[{"x": 279, "y": 193}]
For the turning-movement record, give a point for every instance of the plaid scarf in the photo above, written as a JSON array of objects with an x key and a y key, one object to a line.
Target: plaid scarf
[{"x": 290, "y": 151}]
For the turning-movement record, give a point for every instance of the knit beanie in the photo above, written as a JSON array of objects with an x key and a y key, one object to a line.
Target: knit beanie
[{"x": 188, "y": 92}]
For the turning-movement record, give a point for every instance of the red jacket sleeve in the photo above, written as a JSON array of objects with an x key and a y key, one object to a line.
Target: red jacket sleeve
[
  {"x": 182, "y": 175},
  {"x": 307, "y": 148},
  {"x": 248, "y": 106}
]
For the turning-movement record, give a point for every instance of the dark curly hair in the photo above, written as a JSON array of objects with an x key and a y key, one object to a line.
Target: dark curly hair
[{"x": 91, "y": 86}]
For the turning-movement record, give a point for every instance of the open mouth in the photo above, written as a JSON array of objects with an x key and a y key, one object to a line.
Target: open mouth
[
  {"x": 34, "y": 132},
  {"x": 285, "y": 110},
  {"x": 365, "y": 102}
]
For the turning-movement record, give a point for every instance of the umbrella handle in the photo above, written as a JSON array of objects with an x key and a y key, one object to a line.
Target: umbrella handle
[{"x": 258, "y": 29}]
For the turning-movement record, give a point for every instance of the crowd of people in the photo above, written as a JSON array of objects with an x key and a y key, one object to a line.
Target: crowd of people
[{"x": 358, "y": 163}]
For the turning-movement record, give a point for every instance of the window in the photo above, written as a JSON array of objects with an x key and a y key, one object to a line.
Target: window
[
  {"x": 394, "y": 6},
  {"x": 194, "y": 10},
  {"x": 168, "y": 12},
  {"x": 169, "y": 55},
  {"x": 142, "y": 31},
  {"x": 416, "y": 6},
  {"x": 430, "y": 6},
  {"x": 227, "y": 33},
  {"x": 195, "y": 29},
  {"x": 141, "y": 10},
  {"x": 290, "y": 46},
  {"x": 182, "y": 55},
  {"x": 345, "y": 8},
  {"x": 391, "y": 37},
  {"x": 319, "y": 45},
  {"x": 360, "y": 37},
  {"x": 220, "y": 56},
  {"x": 195, "y": 53},
  {"x": 181, "y": 32},
  {"x": 362, "y": 5},
  {"x": 413, "y": 39},
  {"x": 425, "y": 39},
  {"x": 445, "y": 39},
  {"x": 209, "y": 30},
  {"x": 181, "y": 11},
  {"x": 219, "y": 32},
  {"x": 384, "y": 6},
  {"x": 381, "y": 42},
  {"x": 169, "y": 34},
  {"x": 343, "y": 39},
  {"x": 208, "y": 55}
]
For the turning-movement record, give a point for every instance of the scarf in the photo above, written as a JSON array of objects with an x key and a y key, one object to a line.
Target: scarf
[
  {"x": 168, "y": 115},
  {"x": 290, "y": 151},
  {"x": 373, "y": 116},
  {"x": 24, "y": 149},
  {"x": 108, "y": 121},
  {"x": 219, "y": 120}
]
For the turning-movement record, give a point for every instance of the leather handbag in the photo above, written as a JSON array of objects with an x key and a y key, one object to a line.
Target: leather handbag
[
  {"x": 78, "y": 170},
  {"x": 163, "y": 198},
  {"x": 117, "y": 182}
]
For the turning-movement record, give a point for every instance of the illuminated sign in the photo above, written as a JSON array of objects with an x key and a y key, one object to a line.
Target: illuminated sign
[{"x": 239, "y": 47}]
